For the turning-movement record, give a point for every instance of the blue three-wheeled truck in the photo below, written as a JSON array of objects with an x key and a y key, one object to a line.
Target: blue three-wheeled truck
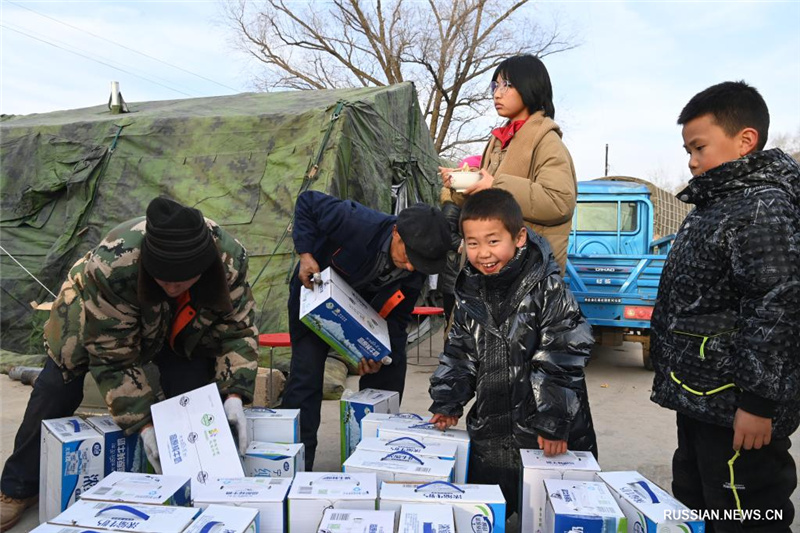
[{"x": 622, "y": 230}]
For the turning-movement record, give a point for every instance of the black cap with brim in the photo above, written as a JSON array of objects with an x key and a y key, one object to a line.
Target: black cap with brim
[{"x": 426, "y": 236}]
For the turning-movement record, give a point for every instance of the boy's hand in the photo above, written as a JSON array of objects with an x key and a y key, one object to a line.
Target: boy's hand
[
  {"x": 308, "y": 267},
  {"x": 445, "y": 173},
  {"x": 443, "y": 422},
  {"x": 486, "y": 182},
  {"x": 750, "y": 431},
  {"x": 552, "y": 447},
  {"x": 368, "y": 366}
]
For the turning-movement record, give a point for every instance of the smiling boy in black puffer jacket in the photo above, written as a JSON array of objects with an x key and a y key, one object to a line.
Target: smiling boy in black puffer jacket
[
  {"x": 518, "y": 344},
  {"x": 726, "y": 324}
]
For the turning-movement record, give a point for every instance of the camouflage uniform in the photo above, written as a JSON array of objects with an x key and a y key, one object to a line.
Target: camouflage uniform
[{"x": 111, "y": 318}]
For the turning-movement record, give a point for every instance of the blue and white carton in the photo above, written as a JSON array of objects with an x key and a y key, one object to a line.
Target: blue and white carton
[
  {"x": 71, "y": 462},
  {"x": 269, "y": 459},
  {"x": 441, "y": 450},
  {"x": 273, "y": 425},
  {"x": 127, "y": 517},
  {"x": 225, "y": 519},
  {"x": 353, "y": 409},
  {"x": 371, "y": 421},
  {"x": 356, "y": 521},
  {"x": 268, "y": 495},
  {"x": 585, "y": 506},
  {"x": 313, "y": 492},
  {"x": 427, "y": 432},
  {"x": 194, "y": 438},
  {"x": 119, "y": 449},
  {"x": 480, "y": 508},
  {"x": 426, "y": 518},
  {"x": 400, "y": 466},
  {"x": 648, "y": 507},
  {"x": 536, "y": 467},
  {"x": 131, "y": 487},
  {"x": 52, "y": 528},
  {"x": 344, "y": 320}
]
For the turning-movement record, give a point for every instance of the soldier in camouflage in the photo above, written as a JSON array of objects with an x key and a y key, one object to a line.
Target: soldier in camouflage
[{"x": 169, "y": 288}]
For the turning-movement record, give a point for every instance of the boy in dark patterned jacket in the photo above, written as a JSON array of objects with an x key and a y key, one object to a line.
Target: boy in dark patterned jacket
[{"x": 726, "y": 324}]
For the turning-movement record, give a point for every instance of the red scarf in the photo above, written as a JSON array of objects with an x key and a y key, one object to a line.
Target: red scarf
[{"x": 505, "y": 133}]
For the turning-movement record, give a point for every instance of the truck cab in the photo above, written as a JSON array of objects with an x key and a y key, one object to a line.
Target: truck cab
[{"x": 615, "y": 258}]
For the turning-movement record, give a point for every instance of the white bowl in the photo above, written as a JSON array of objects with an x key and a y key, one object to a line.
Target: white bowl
[{"x": 462, "y": 180}]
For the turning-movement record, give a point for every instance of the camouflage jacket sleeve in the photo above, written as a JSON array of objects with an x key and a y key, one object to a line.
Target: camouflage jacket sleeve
[
  {"x": 112, "y": 338},
  {"x": 236, "y": 333}
]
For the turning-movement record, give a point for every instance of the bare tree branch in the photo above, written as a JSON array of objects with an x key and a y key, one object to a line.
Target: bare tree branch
[{"x": 448, "y": 48}]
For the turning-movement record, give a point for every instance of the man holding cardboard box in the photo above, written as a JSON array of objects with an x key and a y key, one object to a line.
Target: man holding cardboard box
[
  {"x": 386, "y": 260},
  {"x": 169, "y": 288}
]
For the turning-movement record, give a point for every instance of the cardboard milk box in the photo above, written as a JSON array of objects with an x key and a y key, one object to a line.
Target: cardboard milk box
[
  {"x": 273, "y": 425},
  {"x": 268, "y": 459},
  {"x": 580, "y": 466},
  {"x": 426, "y": 518},
  {"x": 479, "y": 508},
  {"x": 267, "y": 495},
  {"x": 127, "y": 517},
  {"x": 356, "y": 521},
  {"x": 132, "y": 487},
  {"x": 119, "y": 450},
  {"x": 194, "y": 438},
  {"x": 585, "y": 506},
  {"x": 426, "y": 432},
  {"x": 225, "y": 519},
  {"x": 313, "y": 492},
  {"x": 353, "y": 408},
  {"x": 71, "y": 462},
  {"x": 53, "y": 528},
  {"x": 648, "y": 507},
  {"x": 344, "y": 320},
  {"x": 400, "y": 466},
  {"x": 371, "y": 421},
  {"x": 440, "y": 450}
]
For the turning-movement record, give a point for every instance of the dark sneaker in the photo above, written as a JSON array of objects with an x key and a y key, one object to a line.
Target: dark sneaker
[{"x": 11, "y": 510}]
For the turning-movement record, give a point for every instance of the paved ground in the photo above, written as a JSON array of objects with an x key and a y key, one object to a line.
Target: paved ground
[{"x": 633, "y": 433}]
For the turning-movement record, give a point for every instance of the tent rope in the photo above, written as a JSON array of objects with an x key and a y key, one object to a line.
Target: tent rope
[
  {"x": 309, "y": 178},
  {"x": 27, "y": 271}
]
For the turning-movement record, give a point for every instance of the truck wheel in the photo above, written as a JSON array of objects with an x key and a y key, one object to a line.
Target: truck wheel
[{"x": 648, "y": 364}]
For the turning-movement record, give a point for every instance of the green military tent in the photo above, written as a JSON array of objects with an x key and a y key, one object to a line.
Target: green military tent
[{"x": 68, "y": 177}]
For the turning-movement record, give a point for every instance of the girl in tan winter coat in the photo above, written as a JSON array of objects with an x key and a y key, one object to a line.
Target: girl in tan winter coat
[{"x": 526, "y": 156}]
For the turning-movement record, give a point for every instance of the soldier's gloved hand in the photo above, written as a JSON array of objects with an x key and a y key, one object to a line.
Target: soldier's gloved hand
[
  {"x": 235, "y": 413},
  {"x": 148, "y": 436}
]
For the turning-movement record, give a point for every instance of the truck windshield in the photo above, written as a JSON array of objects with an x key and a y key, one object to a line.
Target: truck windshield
[{"x": 602, "y": 216}]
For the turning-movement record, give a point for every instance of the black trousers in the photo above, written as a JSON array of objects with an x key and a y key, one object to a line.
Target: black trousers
[
  {"x": 307, "y": 374},
  {"x": 764, "y": 479},
  {"x": 52, "y": 398}
]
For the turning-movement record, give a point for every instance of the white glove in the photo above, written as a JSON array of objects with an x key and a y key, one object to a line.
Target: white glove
[
  {"x": 235, "y": 413},
  {"x": 148, "y": 436}
]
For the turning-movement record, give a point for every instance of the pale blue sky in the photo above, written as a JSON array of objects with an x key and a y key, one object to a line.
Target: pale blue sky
[{"x": 637, "y": 64}]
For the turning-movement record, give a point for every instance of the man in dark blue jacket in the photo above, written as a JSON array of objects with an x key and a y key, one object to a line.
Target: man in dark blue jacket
[{"x": 386, "y": 259}]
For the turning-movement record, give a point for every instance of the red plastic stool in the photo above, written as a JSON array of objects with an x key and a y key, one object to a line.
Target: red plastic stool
[
  {"x": 273, "y": 340},
  {"x": 426, "y": 311}
]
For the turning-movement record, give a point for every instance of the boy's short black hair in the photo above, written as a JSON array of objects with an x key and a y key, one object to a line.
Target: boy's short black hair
[
  {"x": 734, "y": 105},
  {"x": 493, "y": 204},
  {"x": 528, "y": 75}
]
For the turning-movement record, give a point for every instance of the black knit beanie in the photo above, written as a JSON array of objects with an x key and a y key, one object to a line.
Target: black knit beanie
[{"x": 177, "y": 244}]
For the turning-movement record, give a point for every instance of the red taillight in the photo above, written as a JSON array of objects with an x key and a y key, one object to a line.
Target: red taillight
[{"x": 638, "y": 312}]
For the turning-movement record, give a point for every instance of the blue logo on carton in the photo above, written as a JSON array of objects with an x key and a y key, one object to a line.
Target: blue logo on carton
[{"x": 96, "y": 449}]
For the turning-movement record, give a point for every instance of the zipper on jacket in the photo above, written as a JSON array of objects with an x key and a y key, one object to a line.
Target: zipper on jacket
[{"x": 705, "y": 339}]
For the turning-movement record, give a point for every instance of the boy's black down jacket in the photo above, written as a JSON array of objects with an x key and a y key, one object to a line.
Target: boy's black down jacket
[
  {"x": 526, "y": 368},
  {"x": 728, "y": 307}
]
